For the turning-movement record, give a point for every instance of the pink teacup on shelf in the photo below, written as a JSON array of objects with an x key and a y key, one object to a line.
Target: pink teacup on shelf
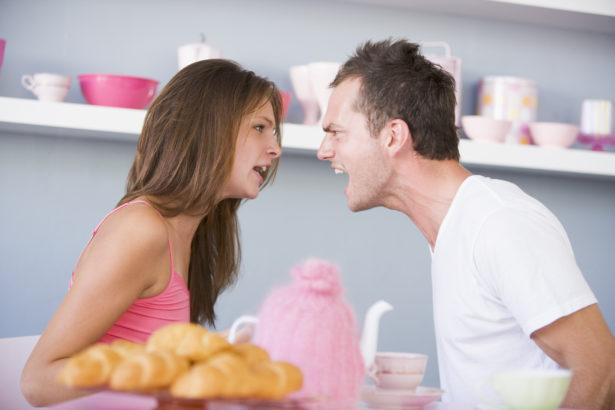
[{"x": 398, "y": 371}]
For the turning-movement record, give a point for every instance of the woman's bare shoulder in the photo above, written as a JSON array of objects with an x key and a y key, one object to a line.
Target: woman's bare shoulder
[
  {"x": 139, "y": 222},
  {"x": 132, "y": 243}
]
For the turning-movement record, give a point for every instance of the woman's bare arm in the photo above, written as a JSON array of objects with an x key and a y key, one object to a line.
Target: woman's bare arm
[{"x": 127, "y": 259}]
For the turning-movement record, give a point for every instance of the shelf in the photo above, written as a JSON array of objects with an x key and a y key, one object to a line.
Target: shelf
[
  {"x": 589, "y": 15},
  {"x": 494, "y": 155},
  {"x": 122, "y": 124},
  {"x": 82, "y": 120}
]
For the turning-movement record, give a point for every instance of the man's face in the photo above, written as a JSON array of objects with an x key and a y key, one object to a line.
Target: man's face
[{"x": 351, "y": 149}]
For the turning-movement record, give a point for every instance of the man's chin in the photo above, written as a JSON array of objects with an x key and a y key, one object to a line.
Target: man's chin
[{"x": 357, "y": 207}]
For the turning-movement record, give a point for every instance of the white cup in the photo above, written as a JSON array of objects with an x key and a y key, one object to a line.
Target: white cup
[
  {"x": 193, "y": 52},
  {"x": 47, "y": 86},
  {"x": 528, "y": 389}
]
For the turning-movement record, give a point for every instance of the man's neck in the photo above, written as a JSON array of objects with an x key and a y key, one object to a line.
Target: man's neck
[{"x": 424, "y": 191}]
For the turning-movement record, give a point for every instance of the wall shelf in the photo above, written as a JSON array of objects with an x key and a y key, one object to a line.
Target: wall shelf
[
  {"x": 587, "y": 15},
  {"x": 121, "y": 124}
]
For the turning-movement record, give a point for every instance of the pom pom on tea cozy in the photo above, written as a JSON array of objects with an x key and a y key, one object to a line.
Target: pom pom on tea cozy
[{"x": 319, "y": 276}]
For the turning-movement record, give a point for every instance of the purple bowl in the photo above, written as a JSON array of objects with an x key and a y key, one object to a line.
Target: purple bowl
[{"x": 117, "y": 90}]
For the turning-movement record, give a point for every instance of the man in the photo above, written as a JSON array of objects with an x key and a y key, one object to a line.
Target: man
[{"x": 507, "y": 292}]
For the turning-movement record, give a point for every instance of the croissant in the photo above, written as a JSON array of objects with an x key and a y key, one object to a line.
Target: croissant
[
  {"x": 91, "y": 367},
  {"x": 276, "y": 379},
  {"x": 146, "y": 371},
  {"x": 225, "y": 375},
  {"x": 127, "y": 348},
  {"x": 187, "y": 340},
  {"x": 250, "y": 353}
]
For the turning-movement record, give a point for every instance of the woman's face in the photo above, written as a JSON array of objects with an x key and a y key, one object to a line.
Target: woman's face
[{"x": 256, "y": 148}]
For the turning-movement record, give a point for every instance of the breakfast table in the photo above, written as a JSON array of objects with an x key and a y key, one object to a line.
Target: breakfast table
[{"x": 122, "y": 401}]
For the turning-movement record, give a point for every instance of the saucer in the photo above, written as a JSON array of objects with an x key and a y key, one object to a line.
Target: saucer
[{"x": 399, "y": 399}]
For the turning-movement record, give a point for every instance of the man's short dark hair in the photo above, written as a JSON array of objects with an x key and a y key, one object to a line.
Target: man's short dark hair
[{"x": 397, "y": 82}]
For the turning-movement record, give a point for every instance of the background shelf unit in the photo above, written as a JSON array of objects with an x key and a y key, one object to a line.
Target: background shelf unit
[{"x": 121, "y": 124}]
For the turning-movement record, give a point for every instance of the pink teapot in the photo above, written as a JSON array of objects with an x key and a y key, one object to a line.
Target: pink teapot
[{"x": 309, "y": 323}]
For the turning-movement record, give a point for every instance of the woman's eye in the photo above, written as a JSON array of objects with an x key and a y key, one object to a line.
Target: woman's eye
[{"x": 259, "y": 128}]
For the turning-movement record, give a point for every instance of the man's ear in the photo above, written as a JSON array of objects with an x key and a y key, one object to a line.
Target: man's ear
[{"x": 397, "y": 138}]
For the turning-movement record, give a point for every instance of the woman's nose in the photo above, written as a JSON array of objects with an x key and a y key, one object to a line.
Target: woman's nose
[{"x": 274, "y": 149}]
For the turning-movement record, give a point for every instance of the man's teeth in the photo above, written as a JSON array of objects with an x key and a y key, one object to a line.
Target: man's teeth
[{"x": 338, "y": 171}]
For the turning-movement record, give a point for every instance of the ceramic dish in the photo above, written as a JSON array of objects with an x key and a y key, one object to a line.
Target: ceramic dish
[
  {"x": 164, "y": 400},
  {"x": 399, "y": 399}
]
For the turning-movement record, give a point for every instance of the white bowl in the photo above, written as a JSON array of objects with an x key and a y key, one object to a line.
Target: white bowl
[
  {"x": 553, "y": 134},
  {"x": 479, "y": 128}
]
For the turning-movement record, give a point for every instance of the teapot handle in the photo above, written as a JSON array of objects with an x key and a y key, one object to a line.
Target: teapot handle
[{"x": 238, "y": 323}]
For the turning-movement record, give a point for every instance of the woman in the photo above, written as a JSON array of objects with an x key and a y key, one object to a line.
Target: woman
[{"x": 211, "y": 138}]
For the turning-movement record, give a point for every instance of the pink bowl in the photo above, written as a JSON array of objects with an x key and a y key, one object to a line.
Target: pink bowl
[
  {"x": 479, "y": 128},
  {"x": 286, "y": 97},
  {"x": 117, "y": 90},
  {"x": 2, "y": 44},
  {"x": 554, "y": 134}
]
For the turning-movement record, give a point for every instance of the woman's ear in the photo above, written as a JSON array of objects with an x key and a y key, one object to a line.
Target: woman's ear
[{"x": 397, "y": 138}]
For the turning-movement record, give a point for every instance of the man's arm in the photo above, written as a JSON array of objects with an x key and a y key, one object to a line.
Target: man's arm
[{"x": 583, "y": 343}]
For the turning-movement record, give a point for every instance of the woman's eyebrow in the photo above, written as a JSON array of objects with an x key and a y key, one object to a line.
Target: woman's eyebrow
[{"x": 266, "y": 119}]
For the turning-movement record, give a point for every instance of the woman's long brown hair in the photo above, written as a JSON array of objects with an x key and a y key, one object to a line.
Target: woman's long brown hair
[{"x": 185, "y": 155}]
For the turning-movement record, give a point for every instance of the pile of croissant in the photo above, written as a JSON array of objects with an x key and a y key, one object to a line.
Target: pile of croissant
[{"x": 186, "y": 359}]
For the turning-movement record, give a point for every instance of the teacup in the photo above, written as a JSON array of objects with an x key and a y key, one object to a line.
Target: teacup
[
  {"x": 398, "y": 371},
  {"x": 47, "y": 86},
  {"x": 529, "y": 389},
  {"x": 50, "y": 93}
]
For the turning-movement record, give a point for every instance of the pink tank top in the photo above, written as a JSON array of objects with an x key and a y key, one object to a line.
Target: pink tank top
[{"x": 146, "y": 315}]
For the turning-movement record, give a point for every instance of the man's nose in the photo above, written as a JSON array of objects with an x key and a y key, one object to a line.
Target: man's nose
[{"x": 325, "y": 151}]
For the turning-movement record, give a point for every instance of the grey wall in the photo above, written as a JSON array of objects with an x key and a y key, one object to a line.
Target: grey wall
[{"x": 55, "y": 189}]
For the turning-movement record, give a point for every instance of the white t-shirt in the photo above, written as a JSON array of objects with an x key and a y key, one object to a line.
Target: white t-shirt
[{"x": 502, "y": 267}]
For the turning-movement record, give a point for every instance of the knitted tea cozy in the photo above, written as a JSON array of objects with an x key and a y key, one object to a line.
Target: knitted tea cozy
[{"x": 308, "y": 323}]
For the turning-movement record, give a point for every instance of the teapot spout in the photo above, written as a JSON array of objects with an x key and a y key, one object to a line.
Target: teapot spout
[{"x": 369, "y": 338}]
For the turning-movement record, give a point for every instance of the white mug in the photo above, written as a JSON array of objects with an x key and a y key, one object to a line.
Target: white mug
[{"x": 47, "y": 86}]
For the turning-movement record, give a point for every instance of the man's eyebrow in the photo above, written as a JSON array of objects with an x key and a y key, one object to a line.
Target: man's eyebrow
[{"x": 331, "y": 127}]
